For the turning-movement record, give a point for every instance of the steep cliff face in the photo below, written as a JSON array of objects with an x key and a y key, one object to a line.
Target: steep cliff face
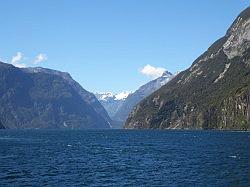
[
  {"x": 43, "y": 100},
  {"x": 212, "y": 94}
]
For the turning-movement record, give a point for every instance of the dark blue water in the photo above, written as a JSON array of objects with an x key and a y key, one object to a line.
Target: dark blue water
[{"x": 124, "y": 158}]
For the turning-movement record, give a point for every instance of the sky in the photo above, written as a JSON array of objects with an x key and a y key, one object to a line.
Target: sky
[{"x": 112, "y": 45}]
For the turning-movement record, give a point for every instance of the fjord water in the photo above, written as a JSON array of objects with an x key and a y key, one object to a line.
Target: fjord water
[{"x": 124, "y": 158}]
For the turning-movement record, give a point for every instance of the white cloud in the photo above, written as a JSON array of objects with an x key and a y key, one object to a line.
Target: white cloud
[
  {"x": 2, "y": 60},
  {"x": 16, "y": 60},
  {"x": 153, "y": 72},
  {"x": 40, "y": 58}
]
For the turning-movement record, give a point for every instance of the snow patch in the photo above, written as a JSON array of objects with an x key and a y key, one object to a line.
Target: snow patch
[
  {"x": 165, "y": 81},
  {"x": 104, "y": 96},
  {"x": 122, "y": 95}
]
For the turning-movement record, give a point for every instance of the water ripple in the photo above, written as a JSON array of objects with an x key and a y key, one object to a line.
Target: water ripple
[{"x": 124, "y": 158}]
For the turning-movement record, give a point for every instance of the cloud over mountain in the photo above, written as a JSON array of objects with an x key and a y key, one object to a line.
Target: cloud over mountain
[
  {"x": 40, "y": 58},
  {"x": 153, "y": 72},
  {"x": 16, "y": 60}
]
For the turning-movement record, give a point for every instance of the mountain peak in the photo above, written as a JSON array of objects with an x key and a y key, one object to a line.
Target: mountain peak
[
  {"x": 212, "y": 94},
  {"x": 238, "y": 35},
  {"x": 109, "y": 95},
  {"x": 166, "y": 73},
  {"x": 104, "y": 95}
]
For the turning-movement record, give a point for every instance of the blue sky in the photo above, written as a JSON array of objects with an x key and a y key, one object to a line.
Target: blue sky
[{"x": 104, "y": 44}]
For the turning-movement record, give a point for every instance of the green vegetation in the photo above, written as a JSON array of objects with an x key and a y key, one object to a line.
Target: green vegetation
[{"x": 214, "y": 93}]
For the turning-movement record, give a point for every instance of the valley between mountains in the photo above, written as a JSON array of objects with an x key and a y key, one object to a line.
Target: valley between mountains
[{"x": 214, "y": 93}]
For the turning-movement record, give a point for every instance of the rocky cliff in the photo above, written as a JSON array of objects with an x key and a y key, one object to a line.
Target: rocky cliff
[{"x": 212, "y": 94}]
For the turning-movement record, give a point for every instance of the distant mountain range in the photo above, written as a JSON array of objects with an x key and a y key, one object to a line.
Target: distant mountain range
[
  {"x": 112, "y": 102},
  {"x": 119, "y": 106},
  {"x": 44, "y": 98},
  {"x": 214, "y": 93},
  {"x": 144, "y": 91}
]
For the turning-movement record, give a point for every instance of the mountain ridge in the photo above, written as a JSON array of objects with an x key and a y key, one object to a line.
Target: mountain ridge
[
  {"x": 112, "y": 102},
  {"x": 142, "y": 92},
  {"x": 43, "y": 100},
  {"x": 212, "y": 94},
  {"x": 87, "y": 96}
]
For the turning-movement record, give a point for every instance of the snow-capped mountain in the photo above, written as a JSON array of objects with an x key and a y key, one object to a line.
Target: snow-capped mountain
[
  {"x": 109, "y": 95},
  {"x": 112, "y": 102},
  {"x": 122, "y": 95},
  {"x": 104, "y": 96},
  {"x": 120, "y": 105},
  {"x": 144, "y": 91}
]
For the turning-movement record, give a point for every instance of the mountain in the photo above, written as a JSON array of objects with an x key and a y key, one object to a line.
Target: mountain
[
  {"x": 43, "y": 98},
  {"x": 214, "y": 93},
  {"x": 144, "y": 91},
  {"x": 112, "y": 102},
  {"x": 86, "y": 96}
]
